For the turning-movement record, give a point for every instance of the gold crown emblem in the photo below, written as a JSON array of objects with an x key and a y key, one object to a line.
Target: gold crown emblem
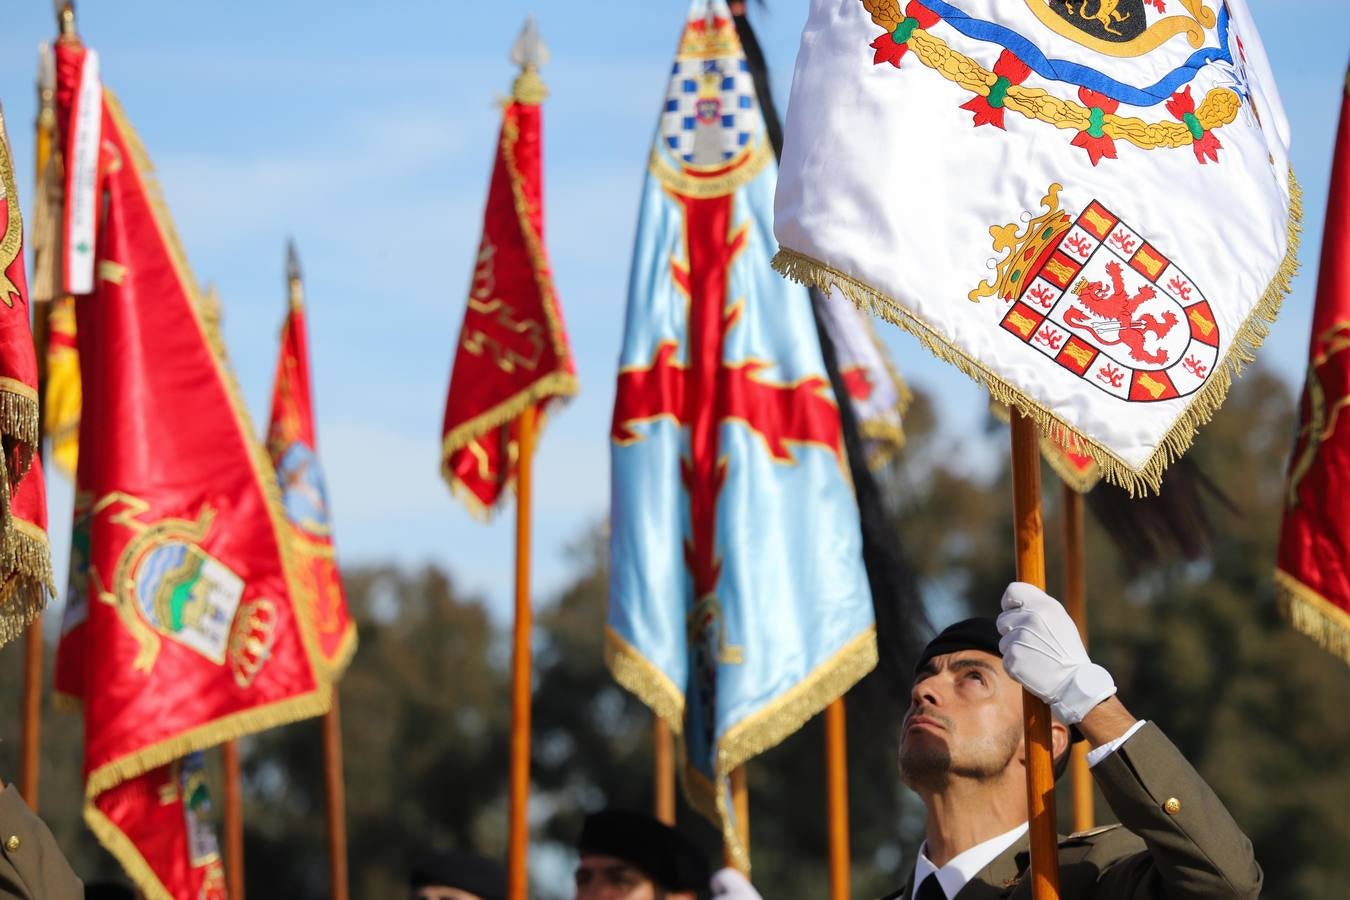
[
  {"x": 1023, "y": 248},
  {"x": 711, "y": 38},
  {"x": 251, "y": 641}
]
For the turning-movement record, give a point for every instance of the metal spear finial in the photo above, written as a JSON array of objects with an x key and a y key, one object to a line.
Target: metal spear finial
[
  {"x": 292, "y": 261},
  {"x": 530, "y": 54},
  {"x": 46, "y": 73}
]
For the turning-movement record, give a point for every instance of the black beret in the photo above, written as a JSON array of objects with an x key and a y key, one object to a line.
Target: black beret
[
  {"x": 462, "y": 870},
  {"x": 663, "y": 854},
  {"x": 980, "y": 633},
  {"x": 108, "y": 890}
]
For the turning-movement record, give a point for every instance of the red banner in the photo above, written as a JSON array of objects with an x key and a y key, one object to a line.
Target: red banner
[
  {"x": 25, "y": 560},
  {"x": 181, "y": 611},
  {"x": 513, "y": 350},
  {"x": 293, "y": 444},
  {"x": 1313, "y": 570}
]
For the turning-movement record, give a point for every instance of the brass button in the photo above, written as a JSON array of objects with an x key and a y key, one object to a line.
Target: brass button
[
  {"x": 1172, "y": 806},
  {"x": 12, "y": 843}
]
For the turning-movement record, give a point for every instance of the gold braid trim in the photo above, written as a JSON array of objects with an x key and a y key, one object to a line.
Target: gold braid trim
[
  {"x": 209, "y": 734},
  {"x": 1053, "y": 454},
  {"x": 126, "y": 853},
  {"x": 1148, "y": 477},
  {"x": 264, "y": 474},
  {"x": 635, "y": 673},
  {"x": 26, "y": 556},
  {"x": 1313, "y": 615},
  {"x": 1218, "y": 108}
]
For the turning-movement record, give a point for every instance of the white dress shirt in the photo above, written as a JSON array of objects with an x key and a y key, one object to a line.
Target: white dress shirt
[{"x": 967, "y": 864}]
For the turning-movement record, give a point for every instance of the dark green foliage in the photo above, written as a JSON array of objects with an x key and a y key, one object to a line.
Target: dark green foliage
[{"x": 1195, "y": 646}]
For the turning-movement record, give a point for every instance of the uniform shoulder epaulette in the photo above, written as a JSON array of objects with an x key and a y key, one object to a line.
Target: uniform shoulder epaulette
[{"x": 1090, "y": 833}]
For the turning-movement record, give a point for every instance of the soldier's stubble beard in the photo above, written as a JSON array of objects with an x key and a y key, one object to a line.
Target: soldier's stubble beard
[{"x": 931, "y": 764}]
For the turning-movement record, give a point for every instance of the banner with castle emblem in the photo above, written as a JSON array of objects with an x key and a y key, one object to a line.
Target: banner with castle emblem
[
  {"x": 739, "y": 606},
  {"x": 293, "y": 445},
  {"x": 180, "y": 630},
  {"x": 513, "y": 351},
  {"x": 1087, "y": 207}
]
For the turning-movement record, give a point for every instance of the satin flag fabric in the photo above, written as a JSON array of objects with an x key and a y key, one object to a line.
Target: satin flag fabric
[
  {"x": 879, "y": 395},
  {"x": 738, "y": 605},
  {"x": 25, "y": 558},
  {"x": 293, "y": 445},
  {"x": 1313, "y": 567},
  {"x": 513, "y": 351},
  {"x": 1090, "y": 213},
  {"x": 180, "y": 629}
]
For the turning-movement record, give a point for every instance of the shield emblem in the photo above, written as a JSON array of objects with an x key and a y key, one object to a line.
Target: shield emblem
[
  {"x": 1118, "y": 21},
  {"x": 1104, "y": 303}
]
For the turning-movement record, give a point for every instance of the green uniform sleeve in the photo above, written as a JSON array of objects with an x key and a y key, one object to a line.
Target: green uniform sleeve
[
  {"x": 1195, "y": 849},
  {"x": 32, "y": 867}
]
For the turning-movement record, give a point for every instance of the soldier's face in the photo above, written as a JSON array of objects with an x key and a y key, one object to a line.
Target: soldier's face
[
  {"x": 964, "y": 721},
  {"x": 601, "y": 877}
]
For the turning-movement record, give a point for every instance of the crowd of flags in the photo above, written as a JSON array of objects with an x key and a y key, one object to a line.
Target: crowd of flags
[{"x": 204, "y": 600}]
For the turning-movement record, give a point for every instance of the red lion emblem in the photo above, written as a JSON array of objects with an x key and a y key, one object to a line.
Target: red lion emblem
[{"x": 1119, "y": 308}]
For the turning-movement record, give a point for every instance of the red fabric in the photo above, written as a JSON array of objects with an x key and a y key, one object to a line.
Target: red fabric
[
  {"x": 188, "y": 634},
  {"x": 513, "y": 348},
  {"x": 162, "y": 813},
  {"x": 1315, "y": 537},
  {"x": 293, "y": 445},
  {"x": 23, "y": 504}
]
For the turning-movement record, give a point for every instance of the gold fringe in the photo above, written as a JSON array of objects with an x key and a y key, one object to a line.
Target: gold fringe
[
  {"x": 751, "y": 736},
  {"x": 1313, "y": 615},
  {"x": 26, "y": 556},
  {"x": 124, "y": 850},
  {"x": 218, "y": 731},
  {"x": 264, "y": 473},
  {"x": 636, "y": 674},
  {"x": 560, "y": 385},
  {"x": 813, "y": 272},
  {"x": 1054, "y": 454}
]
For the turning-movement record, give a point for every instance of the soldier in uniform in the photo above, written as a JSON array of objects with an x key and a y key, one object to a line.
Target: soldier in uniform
[
  {"x": 32, "y": 867},
  {"x": 961, "y": 750}
]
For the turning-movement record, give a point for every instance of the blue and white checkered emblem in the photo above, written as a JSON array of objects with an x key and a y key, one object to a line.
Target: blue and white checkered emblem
[{"x": 710, "y": 113}]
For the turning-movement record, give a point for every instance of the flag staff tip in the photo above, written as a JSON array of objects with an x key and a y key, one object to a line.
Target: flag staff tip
[
  {"x": 292, "y": 261},
  {"x": 530, "y": 54},
  {"x": 65, "y": 17}
]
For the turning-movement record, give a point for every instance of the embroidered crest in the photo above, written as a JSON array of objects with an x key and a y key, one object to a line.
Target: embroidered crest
[
  {"x": 1071, "y": 95},
  {"x": 710, "y": 114},
  {"x": 1095, "y": 296},
  {"x": 302, "y": 490},
  {"x": 166, "y": 586}
]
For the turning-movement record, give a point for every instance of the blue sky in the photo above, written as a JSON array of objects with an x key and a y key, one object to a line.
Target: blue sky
[{"x": 366, "y": 131}]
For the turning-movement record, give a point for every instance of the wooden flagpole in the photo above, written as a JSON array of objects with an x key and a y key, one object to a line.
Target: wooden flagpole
[
  {"x": 519, "y": 835},
  {"x": 335, "y": 792},
  {"x": 1075, "y": 600},
  {"x": 836, "y": 780},
  {"x": 335, "y": 796},
  {"x": 234, "y": 822},
  {"x": 663, "y": 772},
  {"x": 740, "y": 804},
  {"x": 1029, "y": 539},
  {"x": 33, "y": 647}
]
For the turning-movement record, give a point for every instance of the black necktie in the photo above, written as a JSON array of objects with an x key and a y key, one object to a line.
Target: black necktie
[{"x": 929, "y": 889}]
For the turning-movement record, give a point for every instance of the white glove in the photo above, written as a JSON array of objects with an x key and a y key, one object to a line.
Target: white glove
[
  {"x": 729, "y": 884},
  {"x": 1043, "y": 652}
]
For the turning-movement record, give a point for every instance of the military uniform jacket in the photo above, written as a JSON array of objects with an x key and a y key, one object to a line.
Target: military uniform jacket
[
  {"x": 32, "y": 867},
  {"x": 1176, "y": 841}
]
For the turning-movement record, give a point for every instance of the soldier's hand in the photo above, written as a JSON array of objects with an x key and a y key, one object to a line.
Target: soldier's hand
[
  {"x": 728, "y": 884},
  {"x": 1044, "y": 653}
]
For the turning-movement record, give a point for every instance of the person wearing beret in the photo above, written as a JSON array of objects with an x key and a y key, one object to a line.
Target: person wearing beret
[
  {"x": 961, "y": 750},
  {"x": 632, "y": 856},
  {"x": 31, "y": 865},
  {"x": 457, "y": 875}
]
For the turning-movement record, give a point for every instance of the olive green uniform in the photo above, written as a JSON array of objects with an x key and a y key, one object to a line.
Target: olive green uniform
[
  {"x": 32, "y": 867},
  {"x": 1175, "y": 841}
]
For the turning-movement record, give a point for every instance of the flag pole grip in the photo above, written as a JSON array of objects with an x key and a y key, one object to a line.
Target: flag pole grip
[{"x": 1029, "y": 538}]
